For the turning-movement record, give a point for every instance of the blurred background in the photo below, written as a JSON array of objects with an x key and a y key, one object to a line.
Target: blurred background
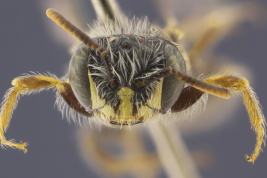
[{"x": 217, "y": 144}]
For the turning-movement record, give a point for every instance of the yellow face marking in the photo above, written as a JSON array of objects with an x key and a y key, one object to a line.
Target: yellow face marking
[
  {"x": 154, "y": 102},
  {"x": 126, "y": 107},
  {"x": 106, "y": 111},
  {"x": 97, "y": 102}
]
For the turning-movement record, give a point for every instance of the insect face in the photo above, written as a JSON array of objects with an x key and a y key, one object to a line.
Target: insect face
[{"x": 120, "y": 89}]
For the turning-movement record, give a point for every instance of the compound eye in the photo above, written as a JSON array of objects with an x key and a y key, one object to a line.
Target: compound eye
[
  {"x": 172, "y": 87},
  {"x": 126, "y": 44}
]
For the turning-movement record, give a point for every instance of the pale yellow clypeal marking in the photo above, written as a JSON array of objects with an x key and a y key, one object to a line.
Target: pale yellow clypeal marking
[
  {"x": 22, "y": 85},
  {"x": 251, "y": 103},
  {"x": 126, "y": 107}
]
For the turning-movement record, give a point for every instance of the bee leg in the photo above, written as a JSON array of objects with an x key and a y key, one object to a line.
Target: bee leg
[
  {"x": 234, "y": 84},
  {"x": 187, "y": 98},
  {"x": 221, "y": 86},
  {"x": 257, "y": 120},
  {"x": 66, "y": 92},
  {"x": 22, "y": 85}
]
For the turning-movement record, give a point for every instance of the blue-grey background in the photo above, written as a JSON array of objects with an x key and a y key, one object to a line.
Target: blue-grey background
[{"x": 25, "y": 45}]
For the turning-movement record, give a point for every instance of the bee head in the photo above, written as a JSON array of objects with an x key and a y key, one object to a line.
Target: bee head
[{"x": 113, "y": 86}]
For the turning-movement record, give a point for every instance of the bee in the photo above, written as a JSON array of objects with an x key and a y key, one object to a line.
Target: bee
[{"x": 125, "y": 73}]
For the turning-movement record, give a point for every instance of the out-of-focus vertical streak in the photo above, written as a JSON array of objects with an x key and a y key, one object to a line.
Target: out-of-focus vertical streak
[
  {"x": 172, "y": 151},
  {"x": 107, "y": 9}
]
